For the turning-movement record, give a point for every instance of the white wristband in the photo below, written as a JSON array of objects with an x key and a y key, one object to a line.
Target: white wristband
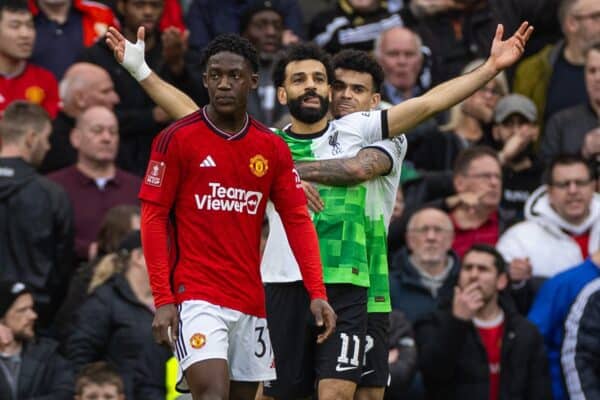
[{"x": 134, "y": 62}]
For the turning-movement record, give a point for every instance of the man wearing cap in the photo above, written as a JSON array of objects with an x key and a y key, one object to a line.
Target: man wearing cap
[
  {"x": 261, "y": 22},
  {"x": 30, "y": 367},
  {"x": 516, "y": 129}
]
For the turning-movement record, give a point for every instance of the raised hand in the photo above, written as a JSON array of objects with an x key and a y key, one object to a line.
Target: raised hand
[
  {"x": 129, "y": 55},
  {"x": 505, "y": 53}
]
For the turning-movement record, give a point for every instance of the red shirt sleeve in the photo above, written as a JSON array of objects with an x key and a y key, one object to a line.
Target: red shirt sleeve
[
  {"x": 163, "y": 175},
  {"x": 289, "y": 200},
  {"x": 158, "y": 193},
  {"x": 155, "y": 239}
]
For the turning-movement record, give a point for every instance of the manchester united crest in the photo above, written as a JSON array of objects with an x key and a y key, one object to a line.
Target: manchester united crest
[
  {"x": 35, "y": 94},
  {"x": 197, "y": 340},
  {"x": 259, "y": 165}
]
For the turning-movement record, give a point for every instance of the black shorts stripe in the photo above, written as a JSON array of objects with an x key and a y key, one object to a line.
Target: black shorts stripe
[{"x": 163, "y": 141}]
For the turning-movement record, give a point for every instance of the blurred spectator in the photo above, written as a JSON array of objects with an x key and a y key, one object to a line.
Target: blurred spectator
[
  {"x": 64, "y": 28},
  {"x": 550, "y": 308},
  {"x": 457, "y": 34},
  {"x": 114, "y": 323},
  {"x": 172, "y": 14},
  {"x": 95, "y": 184},
  {"x": 553, "y": 78},
  {"x": 31, "y": 367},
  {"x": 572, "y": 130},
  {"x": 580, "y": 354},
  {"x": 84, "y": 85},
  {"x": 402, "y": 357},
  {"x": 516, "y": 130},
  {"x": 156, "y": 374},
  {"x": 139, "y": 119},
  {"x": 262, "y": 25},
  {"x": 471, "y": 196},
  {"x": 562, "y": 225},
  {"x": 470, "y": 124},
  {"x": 398, "y": 209},
  {"x": 474, "y": 209},
  {"x": 207, "y": 19},
  {"x": 98, "y": 381},
  {"x": 426, "y": 270},
  {"x": 352, "y": 24},
  {"x": 481, "y": 348},
  {"x": 20, "y": 79},
  {"x": 399, "y": 52},
  {"x": 118, "y": 222},
  {"x": 36, "y": 221}
]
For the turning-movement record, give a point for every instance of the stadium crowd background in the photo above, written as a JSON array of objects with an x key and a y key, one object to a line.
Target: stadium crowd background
[{"x": 514, "y": 166}]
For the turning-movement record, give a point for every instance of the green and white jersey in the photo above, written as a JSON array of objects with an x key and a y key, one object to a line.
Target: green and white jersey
[
  {"x": 381, "y": 196},
  {"x": 348, "y": 225}
]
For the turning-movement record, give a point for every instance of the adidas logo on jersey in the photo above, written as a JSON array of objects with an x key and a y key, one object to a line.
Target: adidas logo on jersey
[{"x": 208, "y": 162}]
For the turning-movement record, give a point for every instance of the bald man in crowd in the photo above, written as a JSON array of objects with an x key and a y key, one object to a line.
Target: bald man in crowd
[
  {"x": 425, "y": 271},
  {"x": 84, "y": 85},
  {"x": 95, "y": 184}
]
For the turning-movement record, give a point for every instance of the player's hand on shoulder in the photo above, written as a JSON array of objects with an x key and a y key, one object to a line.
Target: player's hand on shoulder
[
  {"x": 324, "y": 317},
  {"x": 315, "y": 203},
  {"x": 166, "y": 325}
]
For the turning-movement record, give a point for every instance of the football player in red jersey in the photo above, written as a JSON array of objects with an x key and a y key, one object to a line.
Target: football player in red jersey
[{"x": 203, "y": 203}]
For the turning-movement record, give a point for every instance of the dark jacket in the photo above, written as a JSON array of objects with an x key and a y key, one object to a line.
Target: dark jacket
[
  {"x": 566, "y": 130},
  {"x": 579, "y": 353},
  {"x": 137, "y": 127},
  {"x": 402, "y": 371},
  {"x": 44, "y": 374},
  {"x": 454, "y": 362},
  {"x": 206, "y": 19},
  {"x": 36, "y": 227},
  {"x": 407, "y": 292},
  {"x": 112, "y": 325},
  {"x": 151, "y": 374},
  {"x": 61, "y": 153}
]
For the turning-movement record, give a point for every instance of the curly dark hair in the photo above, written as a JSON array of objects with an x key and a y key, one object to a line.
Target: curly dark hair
[
  {"x": 232, "y": 43},
  {"x": 360, "y": 61},
  {"x": 301, "y": 52}
]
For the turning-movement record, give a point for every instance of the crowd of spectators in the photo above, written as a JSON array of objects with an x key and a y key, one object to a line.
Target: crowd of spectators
[{"x": 497, "y": 217}]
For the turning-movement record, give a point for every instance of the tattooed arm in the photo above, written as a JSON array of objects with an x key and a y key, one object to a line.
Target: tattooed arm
[{"x": 369, "y": 163}]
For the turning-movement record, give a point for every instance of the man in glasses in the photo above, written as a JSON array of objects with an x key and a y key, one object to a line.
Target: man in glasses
[{"x": 562, "y": 225}]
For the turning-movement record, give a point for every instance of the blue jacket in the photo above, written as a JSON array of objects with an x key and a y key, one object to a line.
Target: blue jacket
[{"x": 550, "y": 310}]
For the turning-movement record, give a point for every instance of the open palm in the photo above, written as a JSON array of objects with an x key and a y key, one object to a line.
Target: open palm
[{"x": 505, "y": 53}]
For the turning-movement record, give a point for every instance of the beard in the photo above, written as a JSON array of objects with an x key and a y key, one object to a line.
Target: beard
[{"x": 306, "y": 114}]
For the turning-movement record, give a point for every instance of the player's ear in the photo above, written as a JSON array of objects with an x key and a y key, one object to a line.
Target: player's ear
[
  {"x": 75, "y": 138},
  {"x": 204, "y": 80},
  {"x": 254, "y": 81},
  {"x": 282, "y": 95},
  {"x": 375, "y": 100}
]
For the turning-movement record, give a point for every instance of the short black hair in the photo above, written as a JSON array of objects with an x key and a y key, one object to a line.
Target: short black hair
[
  {"x": 566, "y": 159},
  {"x": 499, "y": 261},
  {"x": 14, "y": 6},
  {"x": 301, "y": 52},
  {"x": 467, "y": 156},
  {"x": 360, "y": 61},
  {"x": 232, "y": 43}
]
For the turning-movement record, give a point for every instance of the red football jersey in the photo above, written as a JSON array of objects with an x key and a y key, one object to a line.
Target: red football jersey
[
  {"x": 491, "y": 334},
  {"x": 217, "y": 187},
  {"x": 34, "y": 84}
]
